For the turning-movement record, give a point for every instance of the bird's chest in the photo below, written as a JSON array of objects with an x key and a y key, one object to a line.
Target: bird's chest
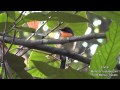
[{"x": 68, "y": 46}]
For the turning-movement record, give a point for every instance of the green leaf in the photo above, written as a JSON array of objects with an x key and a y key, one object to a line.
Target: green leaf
[
  {"x": 66, "y": 17},
  {"x": 36, "y": 73},
  {"x": 105, "y": 58},
  {"x": 38, "y": 56},
  {"x": 26, "y": 29},
  {"x": 52, "y": 24},
  {"x": 56, "y": 16},
  {"x": 34, "y": 16},
  {"x": 16, "y": 63},
  {"x": 22, "y": 21},
  {"x": 13, "y": 48},
  {"x": 76, "y": 66},
  {"x": 78, "y": 28},
  {"x": 11, "y": 14},
  {"x": 3, "y": 18},
  {"x": 56, "y": 73},
  {"x": 8, "y": 25},
  {"x": 114, "y": 15}
]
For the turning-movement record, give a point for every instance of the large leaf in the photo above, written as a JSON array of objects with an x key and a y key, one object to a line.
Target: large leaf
[
  {"x": 16, "y": 63},
  {"x": 13, "y": 48},
  {"x": 36, "y": 73},
  {"x": 38, "y": 56},
  {"x": 105, "y": 58},
  {"x": 66, "y": 17},
  {"x": 36, "y": 16},
  {"x": 76, "y": 66},
  {"x": 8, "y": 25},
  {"x": 114, "y": 15},
  {"x": 26, "y": 29},
  {"x": 11, "y": 14},
  {"x": 56, "y": 73},
  {"x": 3, "y": 18},
  {"x": 52, "y": 24},
  {"x": 33, "y": 16},
  {"x": 78, "y": 28},
  {"x": 55, "y": 16}
]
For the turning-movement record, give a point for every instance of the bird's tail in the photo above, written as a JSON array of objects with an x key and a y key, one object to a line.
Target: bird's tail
[{"x": 63, "y": 62}]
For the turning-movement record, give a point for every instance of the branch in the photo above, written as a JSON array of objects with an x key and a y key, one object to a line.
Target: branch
[
  {"x": 31, "y": 45},
  {"x": 72, "y": 39},
  {"x": 54, "y": 41}
]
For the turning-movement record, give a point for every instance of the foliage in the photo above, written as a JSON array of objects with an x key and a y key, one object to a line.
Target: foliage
[{"x": 104, "y": 60}]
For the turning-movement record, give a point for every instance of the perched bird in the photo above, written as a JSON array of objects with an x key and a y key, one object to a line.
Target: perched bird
[{"x": 66, "y": 33}]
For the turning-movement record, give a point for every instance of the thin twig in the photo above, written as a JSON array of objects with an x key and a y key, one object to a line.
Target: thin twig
[
  {"x": 85, "y": 51},
  {"x": 15, "y": 32},
  {"x": 53, "y": 29},
  {"x": 24, "y": 52},
  {"x": 33, "y": 34},
  {"x": 16, "y": 21}
]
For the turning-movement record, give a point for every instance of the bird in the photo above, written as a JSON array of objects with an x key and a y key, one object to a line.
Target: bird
[{"x": 66, "y": 32}]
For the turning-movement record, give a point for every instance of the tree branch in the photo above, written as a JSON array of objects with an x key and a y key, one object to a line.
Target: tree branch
[
  {"x": 72, "y": 39},
  {"x": 39, "y": 45},
  {"x": 54, "y": 41},
  {"x": 31, "y": 44}
]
